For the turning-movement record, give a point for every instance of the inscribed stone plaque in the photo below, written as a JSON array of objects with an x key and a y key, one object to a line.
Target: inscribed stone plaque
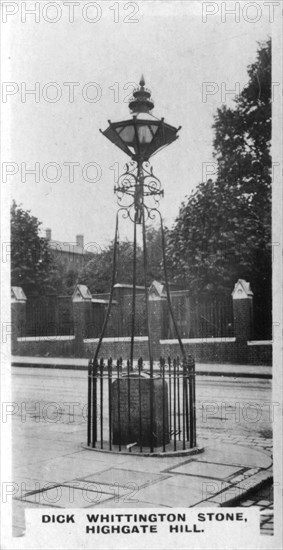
[{"x": 131, "y": 411}]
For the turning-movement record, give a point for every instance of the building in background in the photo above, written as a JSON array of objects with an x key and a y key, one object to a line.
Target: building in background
[{"x": 70, "y": 254}]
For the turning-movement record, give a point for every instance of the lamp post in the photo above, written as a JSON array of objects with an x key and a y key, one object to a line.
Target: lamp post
[
  {"x": 139, "y": 191},
  {"x": 140, "y": 137}
]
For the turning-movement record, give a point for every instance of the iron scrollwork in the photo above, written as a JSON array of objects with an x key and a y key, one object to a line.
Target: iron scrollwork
[{"x": 138, "y": 191}]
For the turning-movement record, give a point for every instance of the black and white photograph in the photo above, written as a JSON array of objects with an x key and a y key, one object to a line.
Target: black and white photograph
[{"x": 141, "y": 270}]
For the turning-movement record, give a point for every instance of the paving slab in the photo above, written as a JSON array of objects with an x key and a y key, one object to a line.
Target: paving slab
[
  {"x": 60, "y": 469},
  {"x": 61, "y": 448},
  {"x": 116, "y": 491},
  {"x": 178, "y": 491},
  {"x": 153, "y": 464},
  {"x": 235, "y": 455},
  {"x": 26, "y": 485},
  {"x": 205, "y": 469},
  {"x": 122, "y": 477},
  {"x": 173, "y": 481},
  {"x": 32, "y": 457},
  {"x": 107, "y": 458},
  {"x": 67, "y": 497},
  {"x": 44, "y": 435}
]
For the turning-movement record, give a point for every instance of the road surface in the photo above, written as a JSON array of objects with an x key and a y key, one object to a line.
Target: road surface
[{"x": 226, "y": 407}]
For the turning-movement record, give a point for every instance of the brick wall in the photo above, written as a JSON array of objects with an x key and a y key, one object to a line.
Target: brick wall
[
  {"x": 117, "y": 347},
  {"x": 214, "y": 350},
  {"x": 47, "y": 346},
  {"x": 259, "y": 354},
  {"x": 204, "y": 352}
]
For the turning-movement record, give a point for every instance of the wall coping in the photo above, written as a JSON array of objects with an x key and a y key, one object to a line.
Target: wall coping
[
  {"x": 260, "y": 343},
  {"x": 18, "y": 295},
  {"x": 121, "y": 285},
  {"x": 222, "y": 339},
  {"x": 116, "y": 339},
  {"x": 44, "y": 338},
  {"x": 143, "y": 339},
  {"x": 242, "y": 290},
  {"x": 100, "y": 301}
]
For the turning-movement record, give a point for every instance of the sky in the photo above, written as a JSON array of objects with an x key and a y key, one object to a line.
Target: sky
[{"x": 181, "y": 57}]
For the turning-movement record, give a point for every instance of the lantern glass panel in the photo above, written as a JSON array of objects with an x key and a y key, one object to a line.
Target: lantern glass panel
[
  {"x": 127, "y": 133},
  {"x": 145, "y": 135},
  {"x": 154, "y": 129}
]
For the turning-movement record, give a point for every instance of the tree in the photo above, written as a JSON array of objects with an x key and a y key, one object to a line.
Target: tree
[
  {"x": 154, "y": 254},
  {"x": 62, "y": 278},
  {"x": 223, "y": 231},
  {"x": 243, "y": 135},
  {"x": 97, "y": 273},
  {"x": 30, "y": 256}
]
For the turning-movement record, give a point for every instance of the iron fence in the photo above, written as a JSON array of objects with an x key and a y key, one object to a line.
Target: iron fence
[
  {"x": 52, "y": 315},
  {"x": 49, "y": 315},
  {"x": 212, "y": 318},
  {"x": 130, "y": 411}
]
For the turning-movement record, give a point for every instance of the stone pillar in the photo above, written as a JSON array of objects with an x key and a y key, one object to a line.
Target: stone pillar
[
  {"x": 157, "y": 316},
  {"x": 82, "y": 315},
  {"x": 123, "y": 295},
  {"x": 243, "y": 311},
  {"x": 130, "y": 405},
  {"x": 18, "y": 316}
]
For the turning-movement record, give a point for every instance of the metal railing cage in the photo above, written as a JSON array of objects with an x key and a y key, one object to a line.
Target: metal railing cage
[{"x": 130, "y": 410}]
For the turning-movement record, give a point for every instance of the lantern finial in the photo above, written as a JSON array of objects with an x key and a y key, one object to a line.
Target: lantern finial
[
  {"x": 141, "y": 102},
  {"x": 142, "y": 81}
]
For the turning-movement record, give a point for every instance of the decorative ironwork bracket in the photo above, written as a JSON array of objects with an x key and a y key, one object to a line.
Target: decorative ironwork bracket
[{"x": 138, "y": 191}]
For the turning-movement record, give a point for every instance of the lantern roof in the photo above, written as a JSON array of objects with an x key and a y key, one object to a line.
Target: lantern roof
[
  {"x": 141, "y": 102},
  {"x": 143, "y": 134}
]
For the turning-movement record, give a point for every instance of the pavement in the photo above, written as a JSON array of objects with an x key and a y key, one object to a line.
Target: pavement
[
  {"x": 55, "y": 470},
  {"x": 262, "y": 499},
  {"x": 205, "y": 369}
]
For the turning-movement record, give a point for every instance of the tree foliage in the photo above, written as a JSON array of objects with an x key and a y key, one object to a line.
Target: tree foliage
[
  {"x": 30, "y": 256},
  {"x": 62, "y": 277},
  {"x": 243, "y": 134},
  {"x": 97, "y": 273},
  {"x": 223, "y": 230},
  {"x": 38, "y": 270}
]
